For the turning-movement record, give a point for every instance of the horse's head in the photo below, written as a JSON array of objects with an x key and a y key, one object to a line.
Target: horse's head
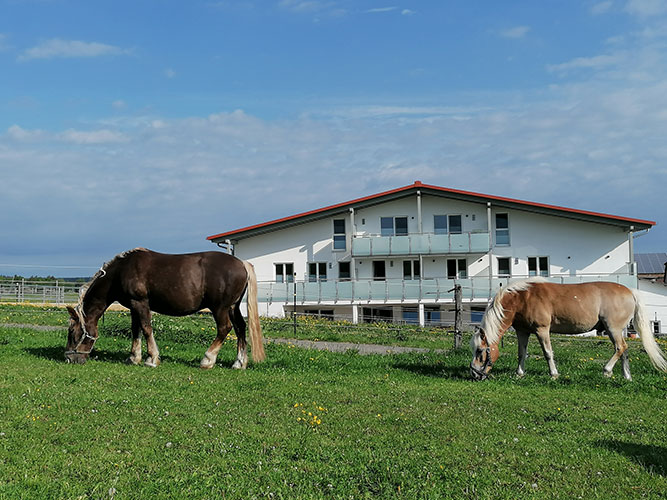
[
  {"x": 483, "y": 355},
  {"x": 79, "y": 342}
]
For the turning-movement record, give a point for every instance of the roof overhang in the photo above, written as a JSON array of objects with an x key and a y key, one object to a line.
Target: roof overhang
[{"x": 628, "y": 224}]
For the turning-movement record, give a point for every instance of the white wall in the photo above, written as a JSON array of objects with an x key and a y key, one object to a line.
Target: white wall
[
  {"x": 573, "y": 247},
  {"x": 654, "y": 297}
]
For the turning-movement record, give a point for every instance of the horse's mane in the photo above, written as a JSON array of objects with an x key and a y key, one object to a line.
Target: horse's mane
[
  {"x": 492, "y": 322},
  {"x": 100, "y": 274}
]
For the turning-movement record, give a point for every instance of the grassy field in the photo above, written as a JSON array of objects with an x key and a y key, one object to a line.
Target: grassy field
[{"x": 310, "y": 424}]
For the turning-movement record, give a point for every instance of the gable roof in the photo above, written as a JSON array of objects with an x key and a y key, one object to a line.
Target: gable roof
[{"x": 412, "y": 189}]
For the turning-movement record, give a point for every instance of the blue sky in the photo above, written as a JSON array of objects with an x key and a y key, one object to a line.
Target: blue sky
[{"x": 158, "y": 123}]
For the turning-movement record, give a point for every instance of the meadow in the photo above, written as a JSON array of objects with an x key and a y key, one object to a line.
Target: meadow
[{"x": 314, "y": 424}]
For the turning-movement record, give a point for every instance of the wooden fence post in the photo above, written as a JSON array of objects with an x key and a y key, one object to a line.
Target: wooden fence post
[{"x": 458, "y": 315}]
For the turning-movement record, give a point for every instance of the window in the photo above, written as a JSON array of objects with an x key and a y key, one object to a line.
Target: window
[
  {"x": 455, "y": 225},
  {"x": 440, "y": 224},
  {"x": 317, "y": 271},
  {"x": 655, "y": 327},
  {"x": 344, "y": 271},
  {"x": 447, "y": 224},
  {"x": 504, "y": 267},
  {"x": 379, "y": 272},
  {"x": 393, "y": 226},
  {"x": 538, "y": 266},
  {"x": 320, "y": 313},
  {"x": 285, "y": 273},
  {"x": 411, "y": 316},
  {"x": 476, "y": 314},
  {"x": 502, "y": 229},
  {"x": 457, "y": 268},
  {"x": 411, "y": 270},
  {"x": 432, "y": 316},
  {"x": 339, "y": 240}
]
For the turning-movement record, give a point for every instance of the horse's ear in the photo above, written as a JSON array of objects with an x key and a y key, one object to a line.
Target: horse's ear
[{"x": 72, "y": 313}]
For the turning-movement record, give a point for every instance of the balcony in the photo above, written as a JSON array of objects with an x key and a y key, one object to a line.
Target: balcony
[
  {"x": 420, "y": 244},
  {"x": 426, "y": 290}
]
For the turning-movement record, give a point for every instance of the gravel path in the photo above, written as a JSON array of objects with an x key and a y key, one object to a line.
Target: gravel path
[{"x": 322, "y": 345}]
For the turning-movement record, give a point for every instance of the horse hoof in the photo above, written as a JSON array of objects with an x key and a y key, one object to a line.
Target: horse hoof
[
  {"x": 555, "y": 377},
  {"x": 132, "y": 361},
  {"x": 152, "y": 364},
  {"x": 206, "y": 366},
  {"x": 238, "y": 366},
  {"x": 607, "y": 374}
]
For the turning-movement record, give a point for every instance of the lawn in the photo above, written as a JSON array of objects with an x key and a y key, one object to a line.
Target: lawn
[{"x": 311, "y": 424}]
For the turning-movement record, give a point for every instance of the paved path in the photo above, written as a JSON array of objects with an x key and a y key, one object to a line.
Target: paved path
[{"x": 322, "y": 345}]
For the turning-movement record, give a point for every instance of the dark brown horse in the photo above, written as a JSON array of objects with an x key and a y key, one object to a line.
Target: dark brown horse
[
  {"x": 541, "y": 307},
  {"x": 176, "y": 285}
]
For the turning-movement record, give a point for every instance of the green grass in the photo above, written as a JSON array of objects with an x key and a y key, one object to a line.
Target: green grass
[{"x": 399, "y": 426}]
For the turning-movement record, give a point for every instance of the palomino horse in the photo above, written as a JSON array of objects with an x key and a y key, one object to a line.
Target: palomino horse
[
  {"x": 176, "y": 285},
  {"x": 539, "y": 307}
]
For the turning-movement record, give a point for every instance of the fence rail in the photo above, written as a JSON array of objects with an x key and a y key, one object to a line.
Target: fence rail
[{"x": 39, "y": 292}]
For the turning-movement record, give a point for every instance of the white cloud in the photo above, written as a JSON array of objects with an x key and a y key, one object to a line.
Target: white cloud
[
  {"x": 595, "y": 62},
  {"x": 169, "y": 73},
  {"x": 92, "y": 137},
  {"x": 58, "y": 48},
  {"x": 601, "y": 7},
  {"x": 119, "y": 104},
  {"x": 516, "y": 32},
  {"x": 646, "y": 8},
  {"x": 407, "y": 12},
  {"x": 380, "y": 9},
  {"x": 18, "y": 133},
  {"x": 306, "y": 5}
]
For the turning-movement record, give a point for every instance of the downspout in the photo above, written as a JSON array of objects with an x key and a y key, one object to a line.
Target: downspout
[
  {"x": 489, "y": 228},
  {"x": 631, "y": 248},
  {"x": 226, "y": 246},
  {"x": 353, "y": 232},
  {"x": 419, "y": 212}
]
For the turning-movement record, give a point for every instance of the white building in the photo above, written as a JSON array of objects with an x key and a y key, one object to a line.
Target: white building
[
  {"x": 652, "y": 274},
  {"x": 398, "y": 254}
]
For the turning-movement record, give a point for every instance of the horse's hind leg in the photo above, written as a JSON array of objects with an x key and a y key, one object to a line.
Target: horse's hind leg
[
  {"x": 241, "y": 342},
  {"x": 522, "y": 338},
  {"x": 620, "y": 346},
  {"x": 143, "y": 314},
  {"x": 223, "y": 325},
  {"x": 135, "y": 353},
  {"x": 545, "y": 342}
]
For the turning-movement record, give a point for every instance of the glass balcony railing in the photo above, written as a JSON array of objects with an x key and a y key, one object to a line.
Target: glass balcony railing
[
  {"x": 419, "y": 244},
  {"x": 398, "y": 291}
]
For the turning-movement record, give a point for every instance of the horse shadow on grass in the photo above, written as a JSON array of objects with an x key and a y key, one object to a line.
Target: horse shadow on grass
[
  {"x": 58, "y": 354},
  {"x": 435, "y": 370},
  {"x": 653, "y": 458}
]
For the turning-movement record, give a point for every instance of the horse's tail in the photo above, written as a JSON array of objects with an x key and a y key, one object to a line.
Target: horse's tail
[
  {"x": 256, "y": 338},
  {"x": 648, "y": 340}
]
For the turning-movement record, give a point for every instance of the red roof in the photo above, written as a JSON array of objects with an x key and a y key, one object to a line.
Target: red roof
[{"x": 418, "y": 185}]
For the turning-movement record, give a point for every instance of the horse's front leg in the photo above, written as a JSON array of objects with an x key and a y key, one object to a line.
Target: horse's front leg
[
  {"x": 545, "y": 342},
  {"x": 143, "y": 313},
  {"x": 522, "y": 338}
]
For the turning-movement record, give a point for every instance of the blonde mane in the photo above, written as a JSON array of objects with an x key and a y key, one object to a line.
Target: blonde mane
[
  {"x": 100, "y": 274},
  {"x": 492, "y": 322}
]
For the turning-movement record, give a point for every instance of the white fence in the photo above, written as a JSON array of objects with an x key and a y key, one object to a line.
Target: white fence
[{"x": 39, "y": 292}]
